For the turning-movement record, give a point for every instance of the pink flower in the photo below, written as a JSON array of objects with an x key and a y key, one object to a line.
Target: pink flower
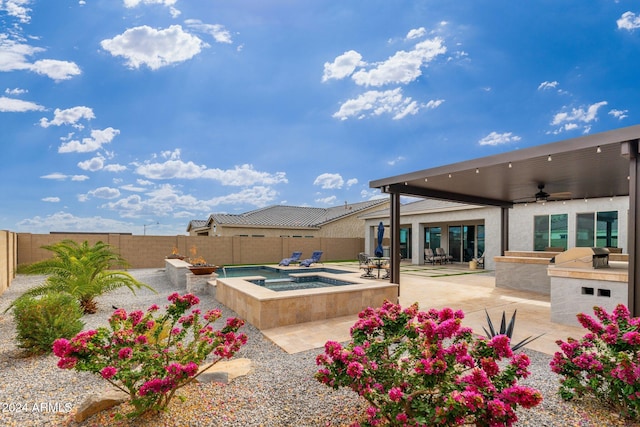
[
  {"x": 176, "y": 331},
  {"x": 67, "y": 362},
  {"x": 108, "y": 372},
  {"x": 396, "y": 394},
  {"x": 212, "y": 315},
  {"x": 355, "y": 369},
  {"x": 631, "y": 338},
  {"x": 125, "y": 353},
  {"x": 500, "y": 343},
  {"x": 135, "y": 317},
  {"x": 153, "y": 307},
  {"x": 61, "y": 347},
  {"x": 142, "y": 339}
]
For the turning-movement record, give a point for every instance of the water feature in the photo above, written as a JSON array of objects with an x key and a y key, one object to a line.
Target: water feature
[{"x": 300, "y": 282}]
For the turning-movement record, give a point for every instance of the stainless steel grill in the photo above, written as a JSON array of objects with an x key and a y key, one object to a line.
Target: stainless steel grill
[{"x": 582, "y": 258}]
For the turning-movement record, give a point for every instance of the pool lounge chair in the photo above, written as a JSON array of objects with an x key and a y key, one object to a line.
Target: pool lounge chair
[
  {"x": 315, "y": 258},
  {"x": 444, "y": 257},
  {"x": 295, "y": 256}
]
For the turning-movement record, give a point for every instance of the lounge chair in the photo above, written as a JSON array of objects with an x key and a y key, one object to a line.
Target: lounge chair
[
  {"x": 295, "y": 256},
  {"x": 315, "y": 258},
  {"x": 443, "y": 256},
  {"x": 429, "y": 256},
  {"x": 480, "y": 261},
  {"x": 365, "y": 264}
]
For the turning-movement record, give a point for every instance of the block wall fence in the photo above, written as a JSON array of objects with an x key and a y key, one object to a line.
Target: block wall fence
[
  {"x": 8, "y": 258},
  {"x": 151, "y": 251}
]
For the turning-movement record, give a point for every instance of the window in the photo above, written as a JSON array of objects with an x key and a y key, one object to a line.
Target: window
[
  {"x": 597, "y": 229},
  {"x": 432, "y": 237},
  {"x": 550, "y": 231}
]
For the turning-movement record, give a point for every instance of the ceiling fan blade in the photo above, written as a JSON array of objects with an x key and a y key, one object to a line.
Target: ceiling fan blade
[{"x": 561, "y": 195}]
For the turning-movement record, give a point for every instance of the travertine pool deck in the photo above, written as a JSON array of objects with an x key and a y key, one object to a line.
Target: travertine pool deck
[{"x": 445, "y": 286}]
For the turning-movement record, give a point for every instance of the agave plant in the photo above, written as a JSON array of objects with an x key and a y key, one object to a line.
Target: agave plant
[
  {"x": 506, "y": 329},
  {"x": 82, "y": 271}
]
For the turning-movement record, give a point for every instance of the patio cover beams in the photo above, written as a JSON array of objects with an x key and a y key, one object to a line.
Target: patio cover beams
[{"x": 592, "y": 166}]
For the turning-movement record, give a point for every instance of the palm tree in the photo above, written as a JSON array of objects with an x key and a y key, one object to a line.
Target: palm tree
[{"x": 83, "y": 271}]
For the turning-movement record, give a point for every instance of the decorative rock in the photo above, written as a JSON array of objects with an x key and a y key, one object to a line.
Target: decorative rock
[
  {"x": 95, "y": 403},
  {"x": 227, "y": 370}
]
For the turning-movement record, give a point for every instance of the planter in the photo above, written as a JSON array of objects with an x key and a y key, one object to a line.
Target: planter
[
  {"x": 173, "y": 256},
  {"x": 203, "y": 269}
]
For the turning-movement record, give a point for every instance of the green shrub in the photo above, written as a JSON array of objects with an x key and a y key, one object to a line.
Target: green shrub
[{"x": 40, "y": 321}]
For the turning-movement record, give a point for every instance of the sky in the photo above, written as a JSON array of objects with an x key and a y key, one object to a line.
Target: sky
[{"x": 138, "y": 116}]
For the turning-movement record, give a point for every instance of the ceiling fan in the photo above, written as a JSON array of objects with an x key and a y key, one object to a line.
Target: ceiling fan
[{"x": 542, "y": 196}]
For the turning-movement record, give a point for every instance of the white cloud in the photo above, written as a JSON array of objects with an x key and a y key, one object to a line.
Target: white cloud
[
  {"x": 105, "y": 193},
  {"x": 416, "y": 33},
  {"x": 570, "y": 120},
  {"x": 326, "y": 200},
  {"x": 51, "y": 199},
  {"x": 55, "y": 69},
  {"x": 11, "y": 105},
  {"x": 403, "y": 67},
  {"x": 93, "y": 164},
  {"x": 342, "y": 66},
  {"x": 133, "y": 3},
  {"x": 70, "y": 116},
  {"x": 434, "y": 103},
  {"x": 95, "y": 142},
  {"x": 495, "y": 138},
  {"x": 63, "y": 177},
  {"x": 56, "y": 175},
  {"x": 62, "y": 221},
  {"x": 217, "y": 31},
  {"x": 628, "y": 21},
  {"x": 114, "y": 168},
  {"x": 17, "y": 8},
  {"x": 330, "y": 181},
  {"x": 619, "y": 114},
  {"x": 154, "y": 48},
  {"x": 376, "y": 103},
  {"x": 351, "y": 182},
  {"x": 393, "y": 162},
  {"x": 548, "y": 85},
  {"x": 238, "y": 176},
  {"x": 15, "y": 91}
]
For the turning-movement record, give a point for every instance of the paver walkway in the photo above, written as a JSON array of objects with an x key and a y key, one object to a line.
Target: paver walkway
[{"x": 452, "y": 286}]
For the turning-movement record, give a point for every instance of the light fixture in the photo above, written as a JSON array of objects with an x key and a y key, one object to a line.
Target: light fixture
[
  {"x": 477, "y": 170},
  {"x": 549, "y": 158},
  {"x": 426, "y": 180},
  {"x": 449, "y": 175},
  {"x": 510, "y": 165},
  {"x": 598, "y": 150}
]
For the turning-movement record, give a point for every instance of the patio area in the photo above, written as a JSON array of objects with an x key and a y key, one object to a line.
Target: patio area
[{"x": 450, "y": 285}]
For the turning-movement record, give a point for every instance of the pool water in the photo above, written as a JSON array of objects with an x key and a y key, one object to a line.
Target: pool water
[
  {"x": 272, "y": 272},
  {"x": 295, "y": 283}
]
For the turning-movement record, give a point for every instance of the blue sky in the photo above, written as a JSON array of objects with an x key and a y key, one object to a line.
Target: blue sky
[{"x": 141, "y": 115}]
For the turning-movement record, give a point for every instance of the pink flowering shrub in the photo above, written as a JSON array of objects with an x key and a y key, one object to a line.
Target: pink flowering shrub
[
  {"x": 148, "y": 356},
  {"x": 605, "y": 363},
  {"x": 424, "y": 369}
]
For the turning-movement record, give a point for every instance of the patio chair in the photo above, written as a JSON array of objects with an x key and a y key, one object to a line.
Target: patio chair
[
  {"x": 444, "y": 257},
  {"x": 429, "y": 256},
  {"x": 295, "y": 256},
  {"x": 315, "y": 258},
  {"x": 365, "y": 264},
  {"x": 480, "y": 261}
]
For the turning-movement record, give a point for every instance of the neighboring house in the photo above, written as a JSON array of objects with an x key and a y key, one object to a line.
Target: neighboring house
[
  {"x": 290, "y": 221},
  {"x": 468, "y": 231}
]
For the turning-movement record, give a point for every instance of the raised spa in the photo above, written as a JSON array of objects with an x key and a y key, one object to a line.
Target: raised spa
[{"x": 266, "y": 308}]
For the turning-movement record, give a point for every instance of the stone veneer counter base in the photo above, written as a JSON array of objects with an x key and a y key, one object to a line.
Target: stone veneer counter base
[{"x": 578, "y": 290}]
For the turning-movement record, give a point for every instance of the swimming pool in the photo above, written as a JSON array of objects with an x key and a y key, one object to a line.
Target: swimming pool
[
  {"x": 270, "y": 273},
  {"x": 299, "y": 282}
]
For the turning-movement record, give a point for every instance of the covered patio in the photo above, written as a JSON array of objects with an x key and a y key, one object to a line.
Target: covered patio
[{"x": 593, "y": 166}]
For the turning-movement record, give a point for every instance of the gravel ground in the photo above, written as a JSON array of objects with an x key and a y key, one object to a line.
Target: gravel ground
[{"x": 279, "y": 391}]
